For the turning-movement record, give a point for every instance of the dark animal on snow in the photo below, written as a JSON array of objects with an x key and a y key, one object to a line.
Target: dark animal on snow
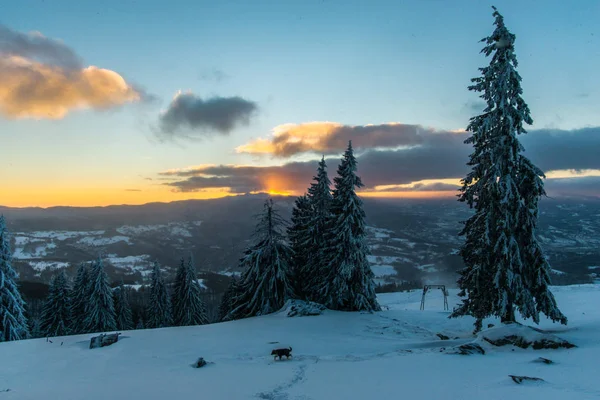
[{"x": 282, "y": 352}]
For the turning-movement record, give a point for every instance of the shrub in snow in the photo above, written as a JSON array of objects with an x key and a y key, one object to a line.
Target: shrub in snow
[
  {"x": 301, "y": 308},
  {"x": 506, "y": 269},
  {"x": 13, "y": 323},
  {"x": 520, "y": 379},
  {"x": 466, "y": 349},
  {"x": 199, "y": 363}
]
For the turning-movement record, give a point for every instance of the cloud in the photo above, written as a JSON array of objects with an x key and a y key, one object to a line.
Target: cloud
[
  {"x": 42, "y": 78},
  {"x": 588, "y": 186},
  {"x": 436, "y": 156},
  {"x": 331, "y": 138},
  {"x": 133, "y": 190},
  {"x": 419, "y": 187},
  {"x": 213, "y": 75},
  {"x": 191, "y": 116}
]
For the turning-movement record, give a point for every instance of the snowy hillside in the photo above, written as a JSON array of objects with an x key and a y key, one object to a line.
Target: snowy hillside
[{"x": 387, "y": 355}]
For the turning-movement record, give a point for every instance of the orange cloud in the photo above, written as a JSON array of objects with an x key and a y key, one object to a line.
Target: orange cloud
[
  {"x": 30, "y": 89},
  {"x": 332, "y": 138}
]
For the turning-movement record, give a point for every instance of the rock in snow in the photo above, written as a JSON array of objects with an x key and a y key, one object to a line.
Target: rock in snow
[
  {"x": 524, "y": 337},
  {"x": 300, "y": 308}
]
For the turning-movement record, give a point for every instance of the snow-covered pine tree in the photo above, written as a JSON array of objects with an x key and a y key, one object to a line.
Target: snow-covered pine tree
[
  {"x": 56, "y": 313},
  {"x": 124, "y": 315},
  {"x": 100, "y": 308},
  {"x": 320, "y": 198},
  {"x": 140, "y": 324},
  {"x": 265, "y": 284},
  {"x": 227, "y": 300},
  {"x": 298, "y": 234},
  {"x": 348, "y": 284},
  {"x": 158, "y": 314},
  {"x": 188, "y": 307},
  {"x": 505, "y": 266},
  {"x": 80, "y": 295},
  {"x": 13, "y": 323}
]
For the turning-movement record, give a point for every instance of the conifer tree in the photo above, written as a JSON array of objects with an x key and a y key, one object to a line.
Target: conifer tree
[
  {"x": 265, "y": 284},
  {"x": 56, "y": 317},
  {"x": 100, "y": 308},
  {"x": 124, "y": 315},
  {"x": 298, "y": 234},
  {"x": 228, "y": 299},
  {"x": 80, "y": 296},
  {"x": 188, "y": 307},
  {"x": 13, "y": 323},
  {"x": 348, "y": 281},
  {"x": 159, "y": 305},
  {"x": 318, "y": 233},
  {"x": 505, "y": 267}
]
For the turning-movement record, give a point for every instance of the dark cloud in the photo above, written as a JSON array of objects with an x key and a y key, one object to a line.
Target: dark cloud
[
  {"x": 191, "y": 116},
  {"x": 574, "y": 187},
  {"x": 441, "y": 155},
  {"x": 38, "y": 47}
]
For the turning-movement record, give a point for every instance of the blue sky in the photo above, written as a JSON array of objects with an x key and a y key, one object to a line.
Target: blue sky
[{"x": 349, "y": 62}]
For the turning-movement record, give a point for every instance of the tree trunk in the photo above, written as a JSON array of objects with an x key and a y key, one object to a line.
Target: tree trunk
[{"x": 509, "y": 316}]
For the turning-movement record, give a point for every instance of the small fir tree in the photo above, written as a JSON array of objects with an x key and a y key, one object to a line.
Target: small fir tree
[
  {"x": 159, "y": 305},
  {"x": 265, "y": 284},
  {"x": 298, "y": 234},
  {"x": 80, "y": 296},
  {"x": 228, "y": 299},
  {"x": 100, "y": 308},
  {"x": 56, "y": 317},
  {"x": 188, "y": 307},
  {"x": 505, "y": 268},
  {"x": 123, "y": 311},
  {"x": 13, "y": 323}
]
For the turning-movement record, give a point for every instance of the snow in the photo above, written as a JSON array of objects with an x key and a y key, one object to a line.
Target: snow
[
  {"x": 337, "y": 355},
  {"x": 427, "y": 268},
  {"x": 174, "y": 228},
  {"x": 138, "y": 263},
  {"x": 44, "y": 265},
  {"x": 557, "y": 272},
  {"x": 103, "y": 241}
]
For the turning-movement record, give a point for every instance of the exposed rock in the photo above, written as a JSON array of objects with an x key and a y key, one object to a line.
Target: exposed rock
[
  {"x": 520, "y": 379},
  {"x": 490, "y": 326},
  {"x": 524, "y": 337},
  {"x": 442, "y": 336},
  {"x": 199, "y": 363},
  {"x": 104, "y": 340},
  {"x": 542, "y": 360},
  {"x": 467, "y": 349}
]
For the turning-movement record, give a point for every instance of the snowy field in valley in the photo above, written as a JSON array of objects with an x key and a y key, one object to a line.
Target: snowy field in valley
[{"x": 386, "y": 355}]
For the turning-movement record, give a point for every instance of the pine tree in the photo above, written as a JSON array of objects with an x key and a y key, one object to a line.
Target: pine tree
[
  {"x": 505, "y": 266},
  {"x": 124, "y": 315},
  {"x": 228, "y": 299},
  {"x": 298, "y": 234},
  {"x": 348, "y": 281},
  {"x": 316, "y": 238},
  {"x": 188, "y": 307},
  {"x": 100, "y": 309},
  {"x": 265, "y": 284},
  {"x": 56, "y": 314},
  {"x": 159, "y": 305},
  {"x": 80, "y": 296},
  {"x": 13, "y": 323}
]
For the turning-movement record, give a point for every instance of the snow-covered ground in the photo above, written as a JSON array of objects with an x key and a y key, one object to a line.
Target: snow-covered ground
[{"x": 392, "y": 354}]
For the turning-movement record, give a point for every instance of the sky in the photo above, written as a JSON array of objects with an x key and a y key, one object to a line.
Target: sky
[{"x": 129, "y": 102}]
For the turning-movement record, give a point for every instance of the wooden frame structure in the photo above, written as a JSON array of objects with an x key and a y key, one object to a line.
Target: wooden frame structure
[{"x": 426, "y": 288}]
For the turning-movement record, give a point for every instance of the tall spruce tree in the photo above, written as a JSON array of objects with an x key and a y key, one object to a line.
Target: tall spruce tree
[
  {"x": 298, "y": 234},
  {"x": 505, "y": 267},
  {"x": 80, "y": 295},
  {"x": 56, "y": 318},
  {"x": 347, "y": 282},
  {"x": 316, "y": 237},
  {"x": 188, "y": 307},
  {"x": 158, "y": 314},
  {"x": 265, "y": 284},
  {"x": 13, "y": 323},
  {"x": 100, "y": 308},
  {"x": 124, "y": 315}
]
